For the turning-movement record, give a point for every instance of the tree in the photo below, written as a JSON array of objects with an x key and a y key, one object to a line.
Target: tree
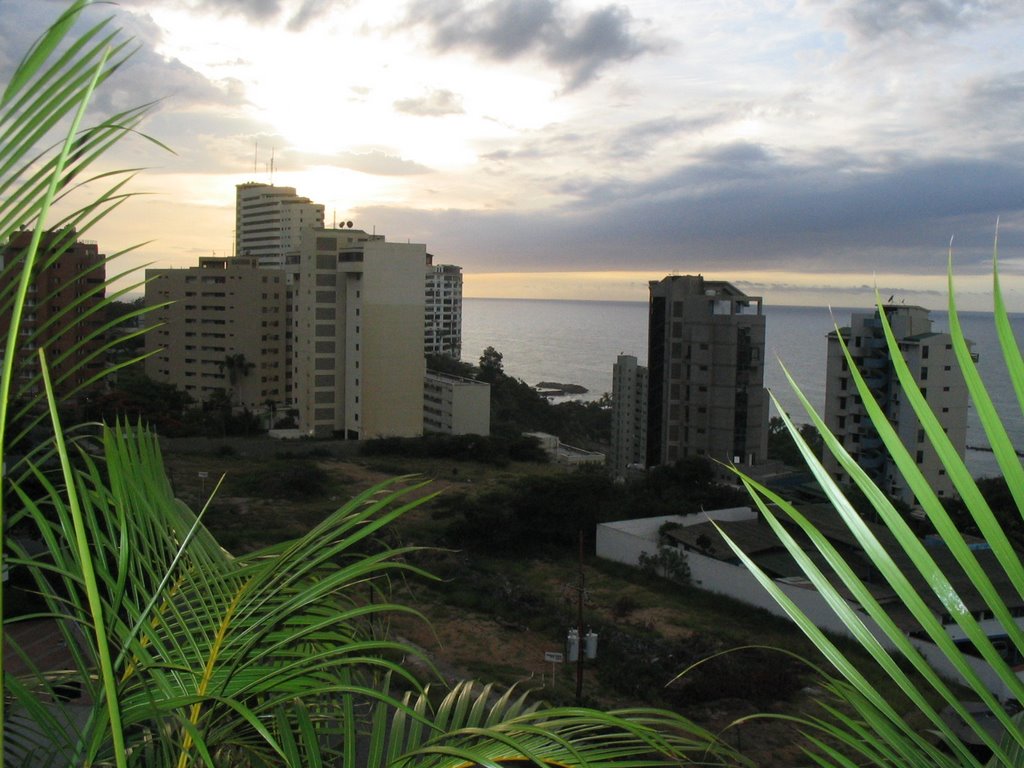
[
  {"x": 491, "y": 368},
  {"x": 237, "y": 368}
]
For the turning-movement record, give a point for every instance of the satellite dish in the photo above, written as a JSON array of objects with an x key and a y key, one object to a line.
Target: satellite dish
[{"x": 349, "y": 224}]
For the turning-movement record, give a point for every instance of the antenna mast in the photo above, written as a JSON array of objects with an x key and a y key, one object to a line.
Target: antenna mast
[
  {"x": 255, "y": 155},
  {"x": 272, "y": 166}
]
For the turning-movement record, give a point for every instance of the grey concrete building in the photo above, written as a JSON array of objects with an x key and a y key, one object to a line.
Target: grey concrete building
[
  {"x": 629, "y": 416},
  {"x": 930, "y": 357},
  {"x": 705, "y": 360}
]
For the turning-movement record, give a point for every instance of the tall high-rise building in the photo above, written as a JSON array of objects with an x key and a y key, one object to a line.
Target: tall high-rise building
[
  {"x": 629, "y": 416},
  {"x": 357, "y": 334},
  {"x": 269, "y": 222},
  {"x": 931, "y": 359},
  {"x": 705, "y": 360},
  {"x": 442, "y": 330},
  {"x": 222, "y": 328},
  {"x": 61, "y": 312}
]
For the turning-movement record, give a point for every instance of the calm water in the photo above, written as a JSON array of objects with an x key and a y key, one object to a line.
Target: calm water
[{"x": 577, "y": 342}]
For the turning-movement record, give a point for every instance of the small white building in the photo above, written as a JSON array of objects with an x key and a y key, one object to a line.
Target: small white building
[{"x": 454, "y": 405}]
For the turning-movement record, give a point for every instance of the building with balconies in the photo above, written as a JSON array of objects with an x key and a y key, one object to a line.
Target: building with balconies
[
  {"x": 221, "y": 330},
  {"x": 269, "y": 222},
  {"x": 442, "y": 328},
  {"x": 931, "y": 360},
  {"x": 705, "y": 361},
  {"x": 61, "y": 314}
]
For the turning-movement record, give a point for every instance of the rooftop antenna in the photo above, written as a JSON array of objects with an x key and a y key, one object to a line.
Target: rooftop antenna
[
  {"x": 255, "y": 155},
  {"x": 272, "y": 166},
  {"x": 334, "y": 220}
]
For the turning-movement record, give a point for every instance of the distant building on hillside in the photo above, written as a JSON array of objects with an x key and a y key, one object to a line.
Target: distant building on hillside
[
  {"x": 442, "y": 330},
  {"x": 629, "y": 416},
  {"x": 269, "y": 222},
  {"x": 61, "y": 312},
  {"x": 705, "y": 360},
  {"x": 931, "y": 360}
]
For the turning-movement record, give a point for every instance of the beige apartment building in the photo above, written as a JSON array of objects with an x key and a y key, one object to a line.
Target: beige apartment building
[
  {"x": 931, "y": 360},
  {"x": 705, "y": 362},
  {"x": 357, "y": 334},
  {"x": 223, "y": 327}
]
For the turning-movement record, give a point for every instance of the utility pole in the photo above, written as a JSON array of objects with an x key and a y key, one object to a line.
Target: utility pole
[{"x": 579, "y": 631}]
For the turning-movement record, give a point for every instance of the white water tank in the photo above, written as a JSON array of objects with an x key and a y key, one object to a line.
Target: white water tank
[{"x": 572, "y": 645}]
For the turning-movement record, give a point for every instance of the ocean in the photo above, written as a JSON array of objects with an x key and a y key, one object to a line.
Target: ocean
[{"x": 576, "y": 342}]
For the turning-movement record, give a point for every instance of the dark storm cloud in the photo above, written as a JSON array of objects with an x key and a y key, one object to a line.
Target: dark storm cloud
[
  {"x": 872, "y": 19},
  {"x": 580, "y": 46},
  {"x": 434, "y": 104},
  {"x": 740, "y": 208}
]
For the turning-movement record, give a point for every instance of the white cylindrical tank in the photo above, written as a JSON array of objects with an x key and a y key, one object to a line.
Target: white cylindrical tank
[
  {"x": 590, "y": 645},
  {"x": 572, "y": 645}
]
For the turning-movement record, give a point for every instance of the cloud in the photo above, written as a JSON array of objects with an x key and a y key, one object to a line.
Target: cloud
[
  {"x": 297, "y": 14},
  {"x": 744, "y": 209},
  {"x": 581, "y": 46},
  {"x": 435, "y": 104},
  {"x": 870, "y": 20},
  {"x": 378, "y": 164}
]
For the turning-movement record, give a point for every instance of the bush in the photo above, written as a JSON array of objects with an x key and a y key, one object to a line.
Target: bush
[{"x": 290, "y": 479}]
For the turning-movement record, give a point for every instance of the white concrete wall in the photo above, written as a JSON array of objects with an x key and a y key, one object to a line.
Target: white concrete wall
[{"x": 626, "y": 540}]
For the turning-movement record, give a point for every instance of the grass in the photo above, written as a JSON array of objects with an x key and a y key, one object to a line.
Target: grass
[{"x": 493, "y": 618}]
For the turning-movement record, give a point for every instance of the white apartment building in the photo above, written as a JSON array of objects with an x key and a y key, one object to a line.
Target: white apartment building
[
  {"x": 931, "y": 359},
  {"x": 454, "y": 405},
  {"x": 442, "y": 329},
  {"x": 269, "y": 222},
  {"x": 357, "y": 334},
  {"x": 629, "y": 416}
]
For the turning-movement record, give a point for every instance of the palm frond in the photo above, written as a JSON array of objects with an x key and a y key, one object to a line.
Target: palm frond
[{"x": 878, "y": 733}]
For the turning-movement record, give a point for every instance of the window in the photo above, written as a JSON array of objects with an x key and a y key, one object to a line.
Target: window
[
  {"x": 920, "y": 457},
  {"x": 924, "y": 352}
]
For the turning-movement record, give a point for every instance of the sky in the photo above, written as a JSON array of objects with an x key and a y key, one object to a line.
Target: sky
[{"x": 810, "y": 151}]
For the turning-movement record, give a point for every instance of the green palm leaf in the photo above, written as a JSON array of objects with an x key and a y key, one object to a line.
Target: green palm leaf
[{"x": 878, "y": 734}]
